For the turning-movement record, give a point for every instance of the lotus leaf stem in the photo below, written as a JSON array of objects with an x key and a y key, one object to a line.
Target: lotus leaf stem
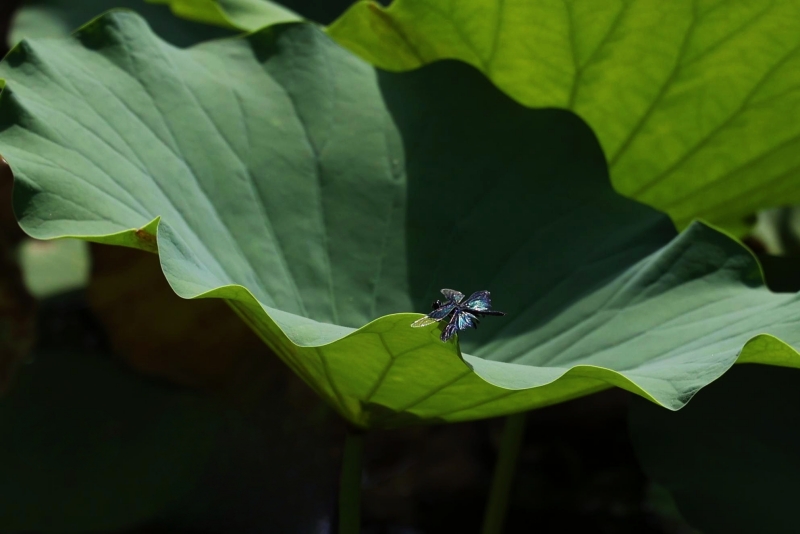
[
  {"x": 503, "y": 477},
  {"x": 350, "y": 483}
]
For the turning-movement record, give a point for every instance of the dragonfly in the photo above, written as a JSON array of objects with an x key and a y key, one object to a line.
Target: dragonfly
[{"x": 463, "y": 313}]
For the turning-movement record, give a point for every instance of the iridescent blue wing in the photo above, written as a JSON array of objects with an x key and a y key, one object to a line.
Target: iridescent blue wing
[
  {"x": 453, "y": 295},
  {"x": 460, "y": 321},
  {"x": 450, "y": 329},
  {"x": 480, "y": 301},
  {"x": 436, "y": 315},
  {"x": 443, "y": 311},
  {"x": 465, "y": 319}
]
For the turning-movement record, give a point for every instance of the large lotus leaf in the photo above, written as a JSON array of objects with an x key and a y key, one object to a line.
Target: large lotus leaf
[
  {"x": 324, "y": 199},
  {"x": 694, "y": 101},
  {"x": 56, "y": 18},
  {"x": 730, "y": 458}
]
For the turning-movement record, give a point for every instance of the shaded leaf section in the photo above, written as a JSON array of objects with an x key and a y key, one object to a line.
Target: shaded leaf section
[
  {"x": 730, "y": 457},
  {"x": 694, "y": 101},
  {"x": 324, "y": 199},
  {"x": 58, "y": 18}
]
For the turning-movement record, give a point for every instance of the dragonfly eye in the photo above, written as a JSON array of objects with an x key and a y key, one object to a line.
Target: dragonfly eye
[{"x": 436, "y": 304}]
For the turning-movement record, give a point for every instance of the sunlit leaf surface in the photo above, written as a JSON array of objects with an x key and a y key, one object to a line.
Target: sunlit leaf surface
[
  {"x": 233, "y": 14},
  {"x": 693, "y": 101}
]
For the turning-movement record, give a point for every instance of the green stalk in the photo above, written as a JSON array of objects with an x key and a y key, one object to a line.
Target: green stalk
[
  {"x": 510, "y": 443},
  {"x": 350, "y": 483}
]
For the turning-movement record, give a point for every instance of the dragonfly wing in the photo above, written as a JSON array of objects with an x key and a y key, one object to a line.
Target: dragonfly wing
[
  {"x": 436, "y": 315},
  {"x": 443, "y": 311},
  {"x": 423, "y": 321},
  {"x": 480, "y": 301},
  {"x": 460, "y": 321},
  {"x": 452, "y": 294},
  {"x": 449, "y": 330},
  {"x": 464, "y": 320}
]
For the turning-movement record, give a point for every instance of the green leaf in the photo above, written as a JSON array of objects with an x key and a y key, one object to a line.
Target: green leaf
[
  {"x": 730, "y": 457},
  {"x": 89, "y": 446},
  {"x": 58, "y": 18},
  {"x": 694, "y": 101},
  {"x": 323, "y": 199},
  {"x": 245, "y": 15}
]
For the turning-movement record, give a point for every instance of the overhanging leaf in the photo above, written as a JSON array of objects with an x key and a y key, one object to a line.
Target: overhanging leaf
[
  {"x": 251, "y": 15},
  {"x": 730, "y": 458},
  {"x": 694, "y": 101},
  {"x": 57, "y": 18},
  {"x": 232, "y": 14},
  {"x": 322, "y": 198}
]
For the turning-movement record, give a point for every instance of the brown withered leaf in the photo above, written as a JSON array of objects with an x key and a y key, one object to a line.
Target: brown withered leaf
[{"x": 198, "y": 343}]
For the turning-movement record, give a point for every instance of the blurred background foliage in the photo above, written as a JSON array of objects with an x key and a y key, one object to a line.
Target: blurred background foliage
[{"x": 127, "y": 409}]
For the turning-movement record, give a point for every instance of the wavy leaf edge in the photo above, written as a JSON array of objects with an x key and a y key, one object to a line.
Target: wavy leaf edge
[
  {"x": 285, "y": 339},
  {"x": 238, "y": 296}
]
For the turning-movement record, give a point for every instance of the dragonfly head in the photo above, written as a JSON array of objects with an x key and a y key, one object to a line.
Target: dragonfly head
[{"x": 436, "y": 304}]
